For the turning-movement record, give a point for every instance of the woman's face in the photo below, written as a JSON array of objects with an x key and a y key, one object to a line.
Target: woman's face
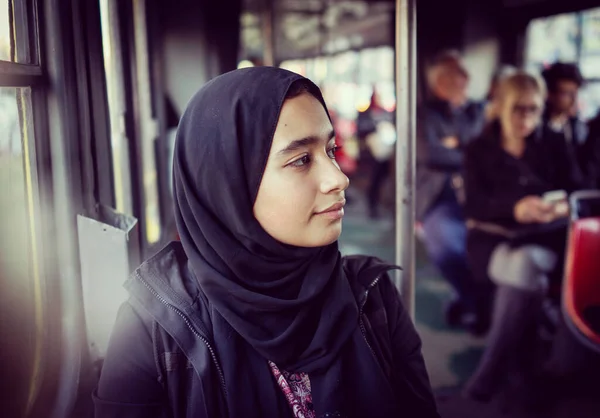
[
  {"x": 520, "y": 113},
  {"x": 301, "y": 195}
]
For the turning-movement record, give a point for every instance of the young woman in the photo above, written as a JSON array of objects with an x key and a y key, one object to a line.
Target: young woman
[
  {"x": 516, "y": 236},
  {"x": 255, "y": 313}
]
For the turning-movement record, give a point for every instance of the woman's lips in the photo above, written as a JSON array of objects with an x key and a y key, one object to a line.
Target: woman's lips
[{"x": 335, "y": 211}]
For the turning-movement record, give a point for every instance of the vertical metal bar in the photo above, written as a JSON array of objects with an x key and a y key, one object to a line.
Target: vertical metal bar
[
  {"x": 80, "y": 46},
  {"x": 21, "y": 30},
  {"x": 579, "y": 35},
  {"x": 99, "y": 106},
  {"x": 268, "y": 18},
  {"x": 405, "y": 149},
  {"x": 147, "y": 125},
  {"x": 114, "y": 44},
  {"x": 67, "y": 192}
]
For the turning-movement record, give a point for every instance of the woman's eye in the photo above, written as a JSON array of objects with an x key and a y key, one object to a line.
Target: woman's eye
[
  {"x": 333, "y": 151},
  {"x": 301, "y": 162}
]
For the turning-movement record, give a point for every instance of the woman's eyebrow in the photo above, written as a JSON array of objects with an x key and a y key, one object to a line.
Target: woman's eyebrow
[{"x": 304, "y": 142}]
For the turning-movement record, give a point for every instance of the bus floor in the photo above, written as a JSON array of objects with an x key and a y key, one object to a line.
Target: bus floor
[{"x": 451, "y": 354}]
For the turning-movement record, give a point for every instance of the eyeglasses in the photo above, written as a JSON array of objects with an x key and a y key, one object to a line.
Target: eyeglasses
[{"x": 523, "y": 110}]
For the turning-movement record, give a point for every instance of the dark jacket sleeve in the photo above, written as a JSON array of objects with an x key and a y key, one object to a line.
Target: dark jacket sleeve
[
  {"x": 482, "y": 202},
  {"x": 569, "y": 173},
  {"x": 430, "y": 151},
  {"x": 409, "y": 366},
  {"x": 129, "y": 386},
  {"x": 591, "y": 150}
]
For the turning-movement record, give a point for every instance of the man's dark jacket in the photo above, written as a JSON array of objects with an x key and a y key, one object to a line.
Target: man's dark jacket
[{"x": 436, "y": 164}]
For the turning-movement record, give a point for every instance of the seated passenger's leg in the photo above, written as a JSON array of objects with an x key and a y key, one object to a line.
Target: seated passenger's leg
[
  {"x": 444, "y": 236},
  {"x": 520, "y": 275},
  {"x": 514, "y": 311}
]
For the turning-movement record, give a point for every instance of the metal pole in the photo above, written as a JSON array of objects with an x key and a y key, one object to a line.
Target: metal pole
[
  {"x": 268, "y": 18},
  {"x": 405, "y": 149}
]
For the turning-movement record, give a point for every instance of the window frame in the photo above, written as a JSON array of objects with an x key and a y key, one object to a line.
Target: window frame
[
  {"x": 69, "y": 158},
  {"x": 24, "y": 24},
  {"x": 578, "y": 40}
]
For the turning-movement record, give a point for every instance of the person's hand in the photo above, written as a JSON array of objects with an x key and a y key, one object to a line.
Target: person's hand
[
  {"x": 450, "y": 142},
  {"x": 561, "y": 209},
  {"x": 532, "y": 209}
]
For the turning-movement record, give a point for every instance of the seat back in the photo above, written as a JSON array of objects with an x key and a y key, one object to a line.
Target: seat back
[{"x": 581, "y": 289}]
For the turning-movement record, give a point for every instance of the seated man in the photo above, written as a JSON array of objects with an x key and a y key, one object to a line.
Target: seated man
[
  {"x": 446, "y": 123},
  {"x": 563, "y": 82}
]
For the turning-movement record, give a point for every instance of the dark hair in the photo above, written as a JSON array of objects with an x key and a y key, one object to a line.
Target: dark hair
[
  {"x": 300, "y": 87},
  {"x": 560, "y": 71}
]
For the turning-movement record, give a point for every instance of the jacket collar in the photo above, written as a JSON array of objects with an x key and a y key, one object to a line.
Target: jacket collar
[{"x": 165, "y": 284}]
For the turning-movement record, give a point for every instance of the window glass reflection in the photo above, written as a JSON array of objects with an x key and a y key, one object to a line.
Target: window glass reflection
[{"x": 20, "y": 291}]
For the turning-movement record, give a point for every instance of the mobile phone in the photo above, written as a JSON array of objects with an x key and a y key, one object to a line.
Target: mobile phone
[{"x": 554, "y": 196}]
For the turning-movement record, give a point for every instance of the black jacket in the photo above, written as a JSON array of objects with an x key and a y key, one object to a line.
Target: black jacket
[
  {"x": 591, "y": 151},
  {"x": 577, "y": 138},
  {"x": 436, "y": 163},
  {"x": 495, "y": 181},
  {"x": 170, "y": 352}
]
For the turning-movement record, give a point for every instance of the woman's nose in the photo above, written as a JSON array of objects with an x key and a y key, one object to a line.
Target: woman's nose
[{"x": 332, "y": 178}]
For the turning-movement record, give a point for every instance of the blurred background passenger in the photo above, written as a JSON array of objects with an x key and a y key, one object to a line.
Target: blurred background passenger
[
  {"x": 501, "y": 73},
  {"x": 375, "y": 126},
  {"x": 516, "y": 233},
  {"x": 561, "y": 114},
  {"x": 447, "y": 121}
]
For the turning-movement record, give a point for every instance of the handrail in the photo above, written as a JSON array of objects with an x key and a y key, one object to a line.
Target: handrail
[{"x": 405, "y": 149}]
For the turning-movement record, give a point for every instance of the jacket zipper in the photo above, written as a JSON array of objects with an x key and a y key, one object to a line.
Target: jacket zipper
[
  {"x": 196, "y": 333},
  {"x": 360, "y": 314},
  {"x": 212, "y": 351}
]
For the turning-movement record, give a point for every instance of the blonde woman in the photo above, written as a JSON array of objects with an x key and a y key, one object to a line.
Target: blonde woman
[{"x": 517, "y": 177}]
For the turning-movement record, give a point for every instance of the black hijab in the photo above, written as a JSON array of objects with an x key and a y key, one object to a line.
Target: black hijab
[{"x": 293, "y": 305}]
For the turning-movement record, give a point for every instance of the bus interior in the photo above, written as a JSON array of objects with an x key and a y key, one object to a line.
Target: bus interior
[{"x": 91, "y": 93}]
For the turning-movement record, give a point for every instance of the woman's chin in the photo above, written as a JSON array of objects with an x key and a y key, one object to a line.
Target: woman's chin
[{"x": 329, "y": 236}]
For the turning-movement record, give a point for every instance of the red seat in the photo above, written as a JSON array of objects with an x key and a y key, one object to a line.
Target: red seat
[{"x": 581, "y": 291}]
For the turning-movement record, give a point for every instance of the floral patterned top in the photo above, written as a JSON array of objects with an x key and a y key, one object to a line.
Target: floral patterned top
[{"x": 296, "y": 388}]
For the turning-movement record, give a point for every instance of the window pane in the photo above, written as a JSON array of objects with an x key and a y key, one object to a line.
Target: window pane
[
  {"x": 20, "y": 291},
  {"x": 590, "y": 66},
  {"x": 115, "y": 86},
  {"x": 590, "y": 44},
  {"x": 589, "y": 100},
  {"x": 5, "y": 35},
  {"x": 552, "y": 39},
  {"x": 148, "y": 125},
  {"x": 15, "y": 39}
]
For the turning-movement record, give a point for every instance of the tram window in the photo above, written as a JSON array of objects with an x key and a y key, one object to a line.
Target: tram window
[
  {"x": 22, "y": 308},
  {"x": 5, "y": 35},
  {"x": 589, "y": 99},
  {"x": 570, "y": 37},
  {"x": 552, "y": 39},
  {"x": 16, "y": 42},
  {"x": 148, "y": 125},
  {"x": 113, "y": 67},
  {"x": 147, "y": 128},
  {"x": 590, "y": 44},
  {"x": 20, "y": 280}
]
